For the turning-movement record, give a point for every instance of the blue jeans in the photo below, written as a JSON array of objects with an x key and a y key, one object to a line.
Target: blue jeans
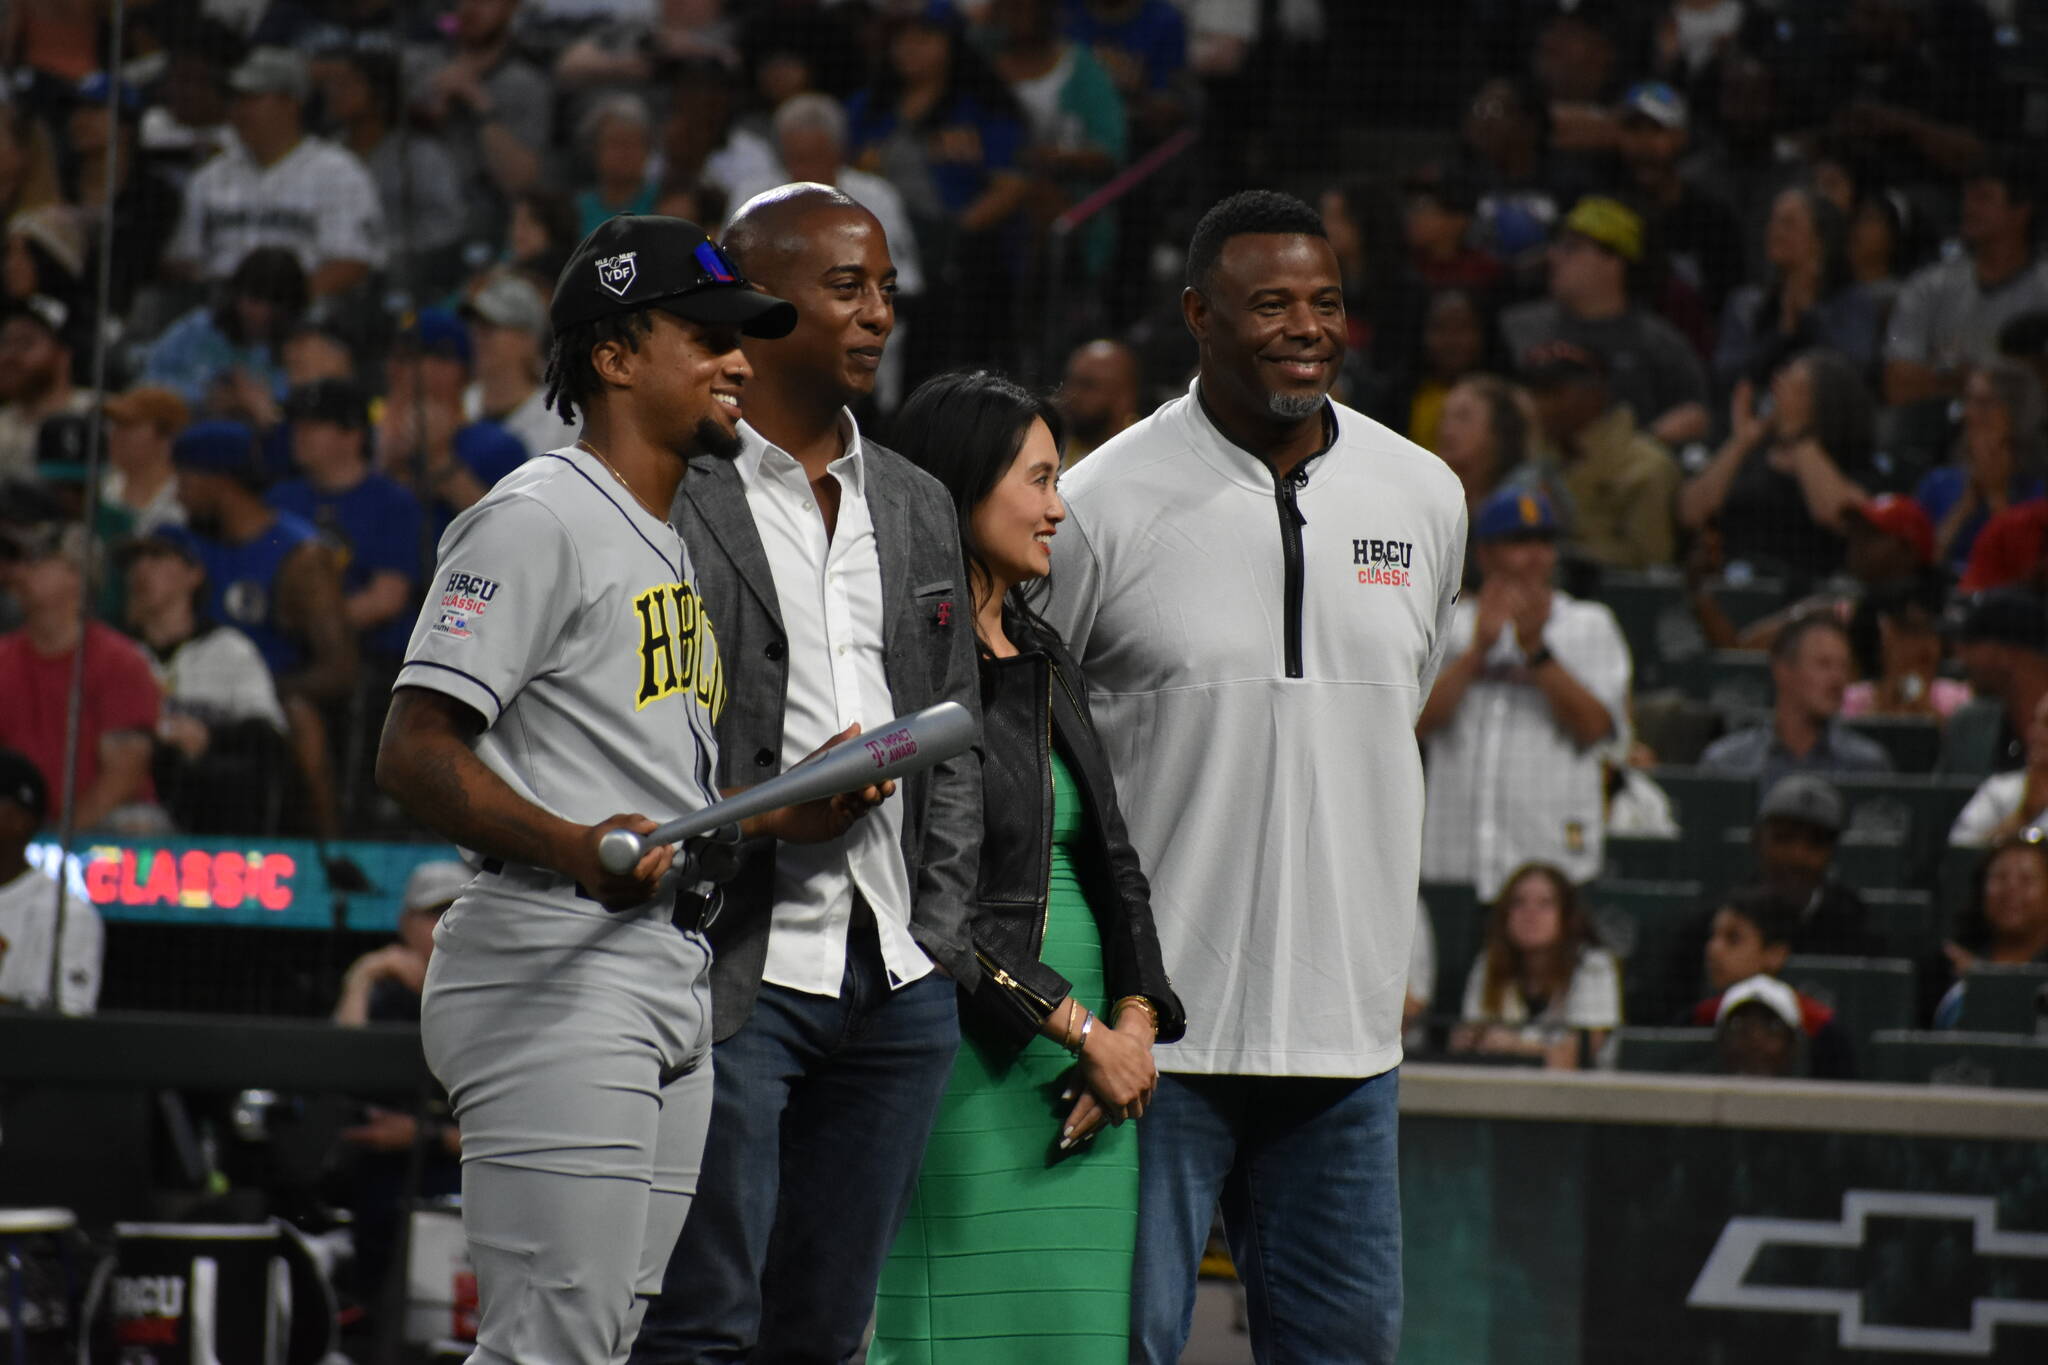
[
  {"x": 1307, "y": 1173},
  {"x": 819, "y": 1117}
]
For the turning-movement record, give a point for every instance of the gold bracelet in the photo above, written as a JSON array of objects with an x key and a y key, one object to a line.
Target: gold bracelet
[
  {"x": 1067, "y": 1029},
  {"x": 1142, "y": 1003}
]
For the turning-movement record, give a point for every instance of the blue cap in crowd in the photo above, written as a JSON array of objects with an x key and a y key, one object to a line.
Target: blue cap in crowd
[
  {"x": 437, "y": 331},
  {"x": 1513, "y": 514},
  {"x": 216, "y": 447}
]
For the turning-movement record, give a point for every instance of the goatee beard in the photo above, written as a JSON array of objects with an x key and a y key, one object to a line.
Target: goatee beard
[
  {"x": 1293, "y": 407},
  {"x": 711, "y": 438}
]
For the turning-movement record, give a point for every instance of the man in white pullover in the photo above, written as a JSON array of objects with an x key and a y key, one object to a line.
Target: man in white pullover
[{"x": 1258, "y": 583}]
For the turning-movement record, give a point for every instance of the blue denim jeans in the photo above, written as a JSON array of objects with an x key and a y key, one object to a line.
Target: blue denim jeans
[
  {"x": 1307, "y": 1173},
  {"x": 818, "y": 1124}
]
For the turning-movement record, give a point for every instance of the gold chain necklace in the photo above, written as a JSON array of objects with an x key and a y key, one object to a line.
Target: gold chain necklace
[{"x": 582, "y": 444}]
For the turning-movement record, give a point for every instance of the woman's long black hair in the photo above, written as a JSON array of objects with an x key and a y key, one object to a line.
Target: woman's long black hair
[{"x": 965, "y": 429}]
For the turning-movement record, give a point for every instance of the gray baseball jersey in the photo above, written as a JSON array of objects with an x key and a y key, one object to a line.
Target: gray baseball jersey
[
  {"x": 575, "y": 1043},
  {"x": 563, "y": 612}
]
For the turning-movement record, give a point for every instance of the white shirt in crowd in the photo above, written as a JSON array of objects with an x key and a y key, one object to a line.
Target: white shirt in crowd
[
  {"x": 1990, "y": 806},
  {"x": 829, "y": 592},
  {"x": 1593, "y": 1000},
  {"x": 1278, "y": 817},
  {"x": 218, "y": 676},
  {"x": 318, "y": 201},
  {"x": 1507, "y": 785},
  {"x": 539, "y": 427},
  {"x": 28, "y": 919},
  {"x": 1946, "y": 320}
]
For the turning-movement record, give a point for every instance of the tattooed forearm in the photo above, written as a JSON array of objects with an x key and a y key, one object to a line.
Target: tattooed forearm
[{"x": 426, "y": 762}]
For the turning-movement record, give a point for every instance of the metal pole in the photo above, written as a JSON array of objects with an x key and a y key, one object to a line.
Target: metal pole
[{"x": 95, "y": 424}]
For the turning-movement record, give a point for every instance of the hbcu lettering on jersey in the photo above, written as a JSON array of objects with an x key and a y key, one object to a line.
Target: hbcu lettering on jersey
[
  {"x": 678, "y": 650},
  {"x": 464, "y": 596},
  {"x": 1387, "y": 563}
]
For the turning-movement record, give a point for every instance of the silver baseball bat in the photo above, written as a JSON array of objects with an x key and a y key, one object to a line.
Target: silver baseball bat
[{"x": 908, "y": 744}]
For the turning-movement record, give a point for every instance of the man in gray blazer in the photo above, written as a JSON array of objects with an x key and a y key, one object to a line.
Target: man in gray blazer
[{"x": 831, "y": 570}]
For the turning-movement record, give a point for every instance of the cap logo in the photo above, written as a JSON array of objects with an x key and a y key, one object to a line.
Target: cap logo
[
  {"x": 1531, "y": 513},
  {"x": 617, "y": 273},
  {"x": 715, "y": 264}
]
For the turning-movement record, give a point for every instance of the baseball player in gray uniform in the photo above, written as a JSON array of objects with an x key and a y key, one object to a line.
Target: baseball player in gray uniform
[{"x": 563, "y": 669}]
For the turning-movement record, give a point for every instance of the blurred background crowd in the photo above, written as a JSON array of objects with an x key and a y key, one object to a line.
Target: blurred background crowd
[{"x": 1731, "y": 316}]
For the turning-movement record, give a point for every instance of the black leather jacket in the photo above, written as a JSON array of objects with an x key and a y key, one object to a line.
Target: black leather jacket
[{"x": 1029, "y": 703}]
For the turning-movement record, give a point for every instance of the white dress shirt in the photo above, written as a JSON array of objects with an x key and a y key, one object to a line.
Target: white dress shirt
[{"x": 829, "y": 589}]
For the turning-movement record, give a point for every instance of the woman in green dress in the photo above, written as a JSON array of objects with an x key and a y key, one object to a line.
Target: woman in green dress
[{"x": 1018, "y": 1245}]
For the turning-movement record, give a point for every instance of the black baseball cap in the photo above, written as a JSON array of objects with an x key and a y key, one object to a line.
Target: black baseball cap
[
  {"x": 21, "y": 782},
  {"x": 637, "y": 261},
  {"x": 2005, "y": 616},
  {"x": 329, "y": 400}
]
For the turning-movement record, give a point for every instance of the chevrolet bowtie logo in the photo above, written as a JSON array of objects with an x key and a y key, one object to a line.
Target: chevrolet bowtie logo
[{"x": 1720, "y": 1283}]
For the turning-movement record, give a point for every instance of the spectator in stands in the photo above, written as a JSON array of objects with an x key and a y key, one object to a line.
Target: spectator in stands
[
  {"x": 491, "y": 107},
  {"x": 2011, "y": 551},
  {"x": 1077, "y": 135},
  {"x": 1099, "y": 396},
  {"x": 373, "y": 518},
  {"x": 1751, "y": 938},
  {"x": 383, "y": 986},
  {"x": 1809, "y": 300},
  {"x": 269, "y": 574},
  {"x": 418, "y": 185},
  {"x": 28, "y": 167},
  {"x": 1540, "y": 687},
  {"x": 508, "y": 324},
  {"x": 38, "y": 378},
  {"x": 143, "y": 484},
  {"x": 1542, "y": 985},
  {"x": 49, "y": 571},
  {"x": 810, "y": 142},
  {"x": 1798, "y": 827},
  {"x": 2007, "y": 922},
  {"x": 2002, "y": 644},
  {"x": 1507, "y": 130},
  {"x": 1487, "y": 435},
  {"x": 1907, "y": 615},
  {"x": 1759, "y": 1031},
  {"x": 1384, "y": 298},
  {"x": 1622, "y": 480},
  {"x": 1652, "y": 367},
  {"x": 1695, "y": 229},
  {"x": 1882, "y": 233},
  {"x": 1454, "y": 345},
  {"x": 540, "y": 236},
  {"x": 1442, "y": 205},
  {"x": 425, "y": 441},
  {"x": 1998, "y": 460},
  {"x": 1887, "y": 554},
  {"x": 702, "y": 139},
  {"x": 276, "y": 186},
  {"x": 45, "y": 253},
  {"x": 636, "y": 42},
  {"x": 1810, "y": 670},
  {"x": 316, "y": 350},
  {"x": 2010, "y": 802},
  {"x": 949, "y": 135},
  {"x": 1949, "y": 313},
  {"x": 617, "y": 139},
  {"x": 28, "y": 906},
  {"x": 190, "y": 121},
  {"x": 224, "y": 359},
  {"x": 1778, "y": 486},
  {"x": 1143, "y": 44},
  {"x": 222, "y": 765}
]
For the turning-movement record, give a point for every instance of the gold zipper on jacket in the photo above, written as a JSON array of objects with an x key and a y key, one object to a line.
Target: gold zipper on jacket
[
  {"x": 1045, "y": 838},
  {"x": 1004, "y": 979}
]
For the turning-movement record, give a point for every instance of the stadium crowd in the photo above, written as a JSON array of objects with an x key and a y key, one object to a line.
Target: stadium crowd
[{"x": 1731, "y": 316}]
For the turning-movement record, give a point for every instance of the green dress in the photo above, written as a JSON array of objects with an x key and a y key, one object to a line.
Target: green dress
[{"x": 1008, "y": 1257}]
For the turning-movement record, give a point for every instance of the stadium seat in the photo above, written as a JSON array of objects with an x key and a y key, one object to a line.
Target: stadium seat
[
  {"x": 1955, "y": 1058},
  {"x": 1867, "y": 993},
  {"x": 1651, "y": 609},
  {"x": 1904, "y": 922},
  {"x": 1913, "y": 742},
  {"x": 1664, "y": 1049},
  {"x": 1738, "y": 681},
  {"x": 1955, "y": 879},
  {"x": 1642, "y": 857},
  {"x": 1914, "y": 810},
  {"x": 1649, "y": 925},
  {"x": 1998, "y": 998},
  {"x": 1747, "y": 603},
  {"x": 1708, "y": 801},
  {"x": 1460, "y": 924},
  {"x": 1969, "y": 741},
  {"x": 1866, "y": 864}
]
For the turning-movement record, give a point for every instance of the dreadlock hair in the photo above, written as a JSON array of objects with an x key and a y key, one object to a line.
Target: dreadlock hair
[{"x": 571, "y": 379}]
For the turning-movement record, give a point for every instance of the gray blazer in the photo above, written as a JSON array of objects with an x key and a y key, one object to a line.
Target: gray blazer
[{"x": 928, "y": 655}]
